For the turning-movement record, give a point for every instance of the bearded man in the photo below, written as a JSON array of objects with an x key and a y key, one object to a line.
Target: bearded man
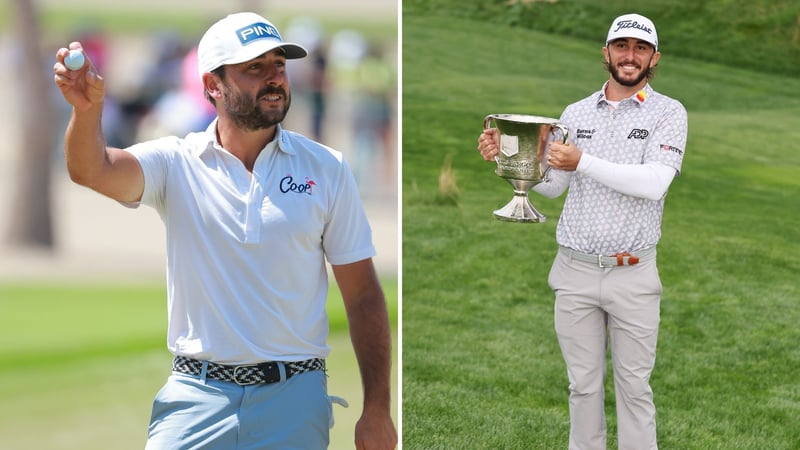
[{"x": 628, "y": 145}]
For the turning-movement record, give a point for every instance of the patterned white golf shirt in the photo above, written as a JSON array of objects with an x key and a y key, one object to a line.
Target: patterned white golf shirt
[{"x": 646, "y": 128}]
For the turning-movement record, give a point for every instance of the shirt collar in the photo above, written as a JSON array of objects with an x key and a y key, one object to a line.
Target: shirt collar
[
  {"x": 639, "y": 97},
  {"x": 284, "y": 143}
]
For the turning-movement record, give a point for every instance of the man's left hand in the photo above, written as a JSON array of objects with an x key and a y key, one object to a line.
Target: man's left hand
[
  {"x": 375, "y": 432},
  {"x": 564, "y": 156}
]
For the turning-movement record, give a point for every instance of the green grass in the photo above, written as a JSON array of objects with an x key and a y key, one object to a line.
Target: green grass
[
  {"x": 761, "y": 35},
  {"x": 82, "y": 362},
  {"x": 481, "y": 364}
]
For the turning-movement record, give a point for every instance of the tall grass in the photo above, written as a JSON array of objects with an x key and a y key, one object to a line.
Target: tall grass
[{"x": 481, "y": 364}]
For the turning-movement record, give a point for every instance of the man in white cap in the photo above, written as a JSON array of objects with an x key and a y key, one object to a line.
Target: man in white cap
[
  {"x": 627, "y": 145},
  {"x": 252, "y": 212}
]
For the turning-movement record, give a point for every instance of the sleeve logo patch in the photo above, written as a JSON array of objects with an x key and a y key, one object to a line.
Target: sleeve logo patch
[{"x": 669, "y": 148}]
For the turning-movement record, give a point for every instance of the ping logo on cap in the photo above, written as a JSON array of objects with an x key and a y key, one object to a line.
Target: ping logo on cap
[{"x": 256, "y": 31}]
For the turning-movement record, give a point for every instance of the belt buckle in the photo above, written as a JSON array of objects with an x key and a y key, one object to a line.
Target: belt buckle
[
  {"x": 271, "y": 372},
  {"x": 600, "y": 262},
  {"x": 237, "y": 371}
]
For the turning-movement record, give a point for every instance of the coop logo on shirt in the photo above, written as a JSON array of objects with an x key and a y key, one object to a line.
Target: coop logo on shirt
[{"x": 290, "y": 184}]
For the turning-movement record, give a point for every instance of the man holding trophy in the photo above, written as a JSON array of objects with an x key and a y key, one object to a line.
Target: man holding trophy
[{"x": 626, "y": 144}]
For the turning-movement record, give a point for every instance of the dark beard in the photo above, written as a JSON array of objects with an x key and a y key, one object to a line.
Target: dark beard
[
  {"x": 648, "y": 73},
  {"x": 615, "y": 74},
  {"x": 246, "y": 114}
]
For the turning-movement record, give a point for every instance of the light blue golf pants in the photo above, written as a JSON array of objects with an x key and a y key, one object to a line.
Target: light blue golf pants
[{"x": 191, "y": 412}]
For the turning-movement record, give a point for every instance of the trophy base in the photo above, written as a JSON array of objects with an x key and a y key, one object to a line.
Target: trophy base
[{"x": 519, "y": 209}]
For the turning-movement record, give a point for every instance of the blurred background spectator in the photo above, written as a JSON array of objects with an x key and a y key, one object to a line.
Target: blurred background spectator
[{"x": 344, "y": 93}]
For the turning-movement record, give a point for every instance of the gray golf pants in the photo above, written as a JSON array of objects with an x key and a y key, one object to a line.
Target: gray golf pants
[{"x": 619, "y": 306}]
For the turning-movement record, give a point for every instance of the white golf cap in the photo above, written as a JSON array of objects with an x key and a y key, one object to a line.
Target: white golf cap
[
  {"x": 633, "y": 26},
  {"x": 241, "y": 37}
]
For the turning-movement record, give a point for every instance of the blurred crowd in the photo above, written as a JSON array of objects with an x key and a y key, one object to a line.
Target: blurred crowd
[{"x": 344, "y": 94}]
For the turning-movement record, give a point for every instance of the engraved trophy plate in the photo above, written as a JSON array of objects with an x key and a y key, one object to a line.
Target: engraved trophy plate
[{"x": 524, "y": 143}]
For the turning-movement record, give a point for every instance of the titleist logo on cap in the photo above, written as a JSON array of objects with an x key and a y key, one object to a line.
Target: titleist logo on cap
[
  {"x": 632, "y": 24},
  {"x": 256, "y": 31}
]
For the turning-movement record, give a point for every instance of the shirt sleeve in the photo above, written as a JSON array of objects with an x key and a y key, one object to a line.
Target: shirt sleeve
[
  {"x": 347, "y": 236},
  {"x": 668, "y": 142},
  {"x": 155, "y": 157},
  {"x": 649, "y": 181},
  {"x": 556, "y": 182}
]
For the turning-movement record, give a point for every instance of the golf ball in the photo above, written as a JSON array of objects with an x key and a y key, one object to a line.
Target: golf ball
[{"x": 74, "y": 60}]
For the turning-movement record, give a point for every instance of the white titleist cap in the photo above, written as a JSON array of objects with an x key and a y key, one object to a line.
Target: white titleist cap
[
  {"x": 633, "y": 26},
  {"x": 241, "y": 37}
]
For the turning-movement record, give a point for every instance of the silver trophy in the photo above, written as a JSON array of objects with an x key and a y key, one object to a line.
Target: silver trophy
[{"x": 524, "y": 144}]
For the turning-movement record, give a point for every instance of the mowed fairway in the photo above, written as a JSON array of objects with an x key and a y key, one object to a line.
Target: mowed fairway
[
  {"x": 80, "y": 364},
  {"x": 481, "y": 364}
]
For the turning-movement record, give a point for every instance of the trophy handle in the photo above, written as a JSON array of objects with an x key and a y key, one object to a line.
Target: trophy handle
[
  {"x": 487, "y": 121},
  {"x": 565, "y": 133}
]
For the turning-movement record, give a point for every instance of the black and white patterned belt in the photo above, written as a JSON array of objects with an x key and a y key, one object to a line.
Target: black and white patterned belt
[{"x": 244, "y": 375}]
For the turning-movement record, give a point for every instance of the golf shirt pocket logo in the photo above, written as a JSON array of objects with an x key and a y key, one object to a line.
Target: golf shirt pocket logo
[{"x": 289, "y": 184}]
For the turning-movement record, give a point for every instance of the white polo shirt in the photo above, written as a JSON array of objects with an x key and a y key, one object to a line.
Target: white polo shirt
[{"x": 246, "y": 272}]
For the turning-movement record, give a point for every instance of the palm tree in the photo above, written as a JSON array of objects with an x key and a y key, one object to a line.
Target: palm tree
[{"x": 30, "y": 217}]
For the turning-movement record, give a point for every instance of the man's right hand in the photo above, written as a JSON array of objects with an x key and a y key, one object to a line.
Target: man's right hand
[
  {"x": 84, "y": 88},
  {"x": 488, "y": 144}
]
